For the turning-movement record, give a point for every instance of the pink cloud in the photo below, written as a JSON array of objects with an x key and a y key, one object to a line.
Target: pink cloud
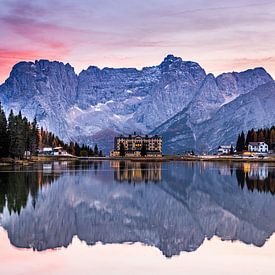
[{"x": 10, "y": 57}]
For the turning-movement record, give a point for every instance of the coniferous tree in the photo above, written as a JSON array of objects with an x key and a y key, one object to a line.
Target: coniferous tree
[
  {"x": 18, "y": 136},
  {"x": 4, "y": 138},
  {"x": 11, "y": 133},
  {"x": 261, "y": 136},
  {"x": 254, "y": 136},
  {"x": 34, "y": 137},
  {"x": 272, "y": 138},
  {"x": 96, "y": 150},
  {"x": 249, "y": 138},
  {"x": 238, "y": 144},
  {"x": 242, "y": 141}
]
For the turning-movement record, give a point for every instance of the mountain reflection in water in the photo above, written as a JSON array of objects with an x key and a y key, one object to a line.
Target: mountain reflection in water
[{"x": 173, "y": 206}]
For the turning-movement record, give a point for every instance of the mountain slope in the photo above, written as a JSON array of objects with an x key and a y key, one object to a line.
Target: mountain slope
[
  {"x": 172, "y": 99},
  {"x": 253, "y": 109}
]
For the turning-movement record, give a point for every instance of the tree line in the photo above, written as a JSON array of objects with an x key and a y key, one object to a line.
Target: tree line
[
  {"x": 18, "y": 136},
  {"x": 266, "y": 135}
]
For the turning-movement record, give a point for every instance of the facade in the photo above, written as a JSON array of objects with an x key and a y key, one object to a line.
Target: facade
[
  {"x": 258, "y": 147},
  {"x": 133, "y": 144},
  {"x": 225, "y": 149},
  {"x": 56, "y": 151}
]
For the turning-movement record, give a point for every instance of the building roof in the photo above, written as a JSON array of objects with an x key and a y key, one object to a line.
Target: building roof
[
  {"x": 253, "y": 143},
  {"x": 47, "y": 149},
  {"x": 225, "y": 147},
  {"x": 256, "y": 143},
  {"x": 139, "y": 136}
]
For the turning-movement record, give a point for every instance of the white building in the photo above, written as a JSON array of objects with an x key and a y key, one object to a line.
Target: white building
[
  {"x": 56, "y": 151},
  {"x": 48, "y": 151},
  {"x": 225, "y": 149},
  {"x": 258, "y": 147}
]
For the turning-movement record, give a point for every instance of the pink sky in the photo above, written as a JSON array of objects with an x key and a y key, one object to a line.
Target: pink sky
[{"x": 220, "y": 35}]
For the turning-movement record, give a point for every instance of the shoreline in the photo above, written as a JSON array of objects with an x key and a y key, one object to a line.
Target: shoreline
[{"x": 10, "y": 161}]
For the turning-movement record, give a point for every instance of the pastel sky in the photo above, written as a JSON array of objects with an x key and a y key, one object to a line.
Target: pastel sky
[{"x": 220, "y": 35}]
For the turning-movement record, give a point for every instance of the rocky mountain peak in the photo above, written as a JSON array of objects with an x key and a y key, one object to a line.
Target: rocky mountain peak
[{"x": 125, "y": 100}]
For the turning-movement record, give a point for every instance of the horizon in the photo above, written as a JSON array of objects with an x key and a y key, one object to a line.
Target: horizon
[
  {"x": 220, "y": 36},
  {"x": 77, "y": 72}
]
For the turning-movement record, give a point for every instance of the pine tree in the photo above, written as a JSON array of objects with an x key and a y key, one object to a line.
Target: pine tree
[
  {"x": 11, "y": 134},
  {"x": 96, "y": 150},
  {"x": 272, "y": 138},
  {"x": 20, "y": 137},
  {"x": 240, "y": 146},
  {"x": 77, "y": 149},
  {"x": 249, "y": 138},
  {"x": 4, "y": 139},
  {"x": 261, "y": 136},
  {"x": 254, "y": 136},
  {"x": 242, "y": 141},
  {"x": 34, "y": 137}
]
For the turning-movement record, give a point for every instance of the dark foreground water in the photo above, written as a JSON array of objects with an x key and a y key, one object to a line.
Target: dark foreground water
[{"x": 132, "y": 217}]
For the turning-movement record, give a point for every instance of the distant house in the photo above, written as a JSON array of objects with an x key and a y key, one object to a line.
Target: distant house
[
  {"x": 225, "y": 149},
  {"x": 56, "y": 151},
  {"x": 258, "y": 147},
  {"x": 47, "y": 151}
]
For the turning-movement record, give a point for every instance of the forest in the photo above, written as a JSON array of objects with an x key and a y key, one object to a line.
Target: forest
[
  {"x": 266, "y": 135},
  {"x": 18, "y": 135}
]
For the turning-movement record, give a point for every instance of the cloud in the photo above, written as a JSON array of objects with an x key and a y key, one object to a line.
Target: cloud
[
  {"x": 10, "y": 57},
  {"x": 137, "y": 33}
]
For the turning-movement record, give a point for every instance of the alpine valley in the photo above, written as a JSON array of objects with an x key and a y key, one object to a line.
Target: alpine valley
[{"x": 192, "y": 110}]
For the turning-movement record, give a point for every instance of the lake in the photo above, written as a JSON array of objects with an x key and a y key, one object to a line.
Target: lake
[{"x": 121, "y": 217}]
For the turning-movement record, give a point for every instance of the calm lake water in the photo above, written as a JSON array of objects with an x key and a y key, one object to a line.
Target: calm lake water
[{"x": 114, "y": 217}]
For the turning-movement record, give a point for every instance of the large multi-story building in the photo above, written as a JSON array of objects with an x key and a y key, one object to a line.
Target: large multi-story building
[{"x": 132, "y": 145}]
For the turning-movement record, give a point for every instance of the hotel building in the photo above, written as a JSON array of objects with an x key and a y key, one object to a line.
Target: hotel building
[{"x": 133, "y": 143}]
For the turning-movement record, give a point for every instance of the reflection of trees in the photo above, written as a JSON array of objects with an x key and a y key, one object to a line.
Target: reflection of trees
[
  {"x": 256, "y": 177},
  {"x": 128, "y": 171},
  {"x": 16, "y": 186}
]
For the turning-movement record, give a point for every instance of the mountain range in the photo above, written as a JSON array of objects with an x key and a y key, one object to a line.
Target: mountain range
[{"x": 177, "y": 99}]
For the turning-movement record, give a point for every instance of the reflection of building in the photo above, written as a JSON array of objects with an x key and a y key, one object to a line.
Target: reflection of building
[
  {"x": 259, "y": 147},
  {"x": 132, "y": 145},
  {"x": 256, "y": 176},
  {"x": 258, "y": 172},
  {"x": 137, "y": 171}
]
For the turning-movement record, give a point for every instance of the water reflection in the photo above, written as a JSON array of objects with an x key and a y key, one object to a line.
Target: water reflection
[
  {"x": 134, "y": 172},
  {"x": 256, "y": 176},
  {"x": 45, "y": 206}
]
